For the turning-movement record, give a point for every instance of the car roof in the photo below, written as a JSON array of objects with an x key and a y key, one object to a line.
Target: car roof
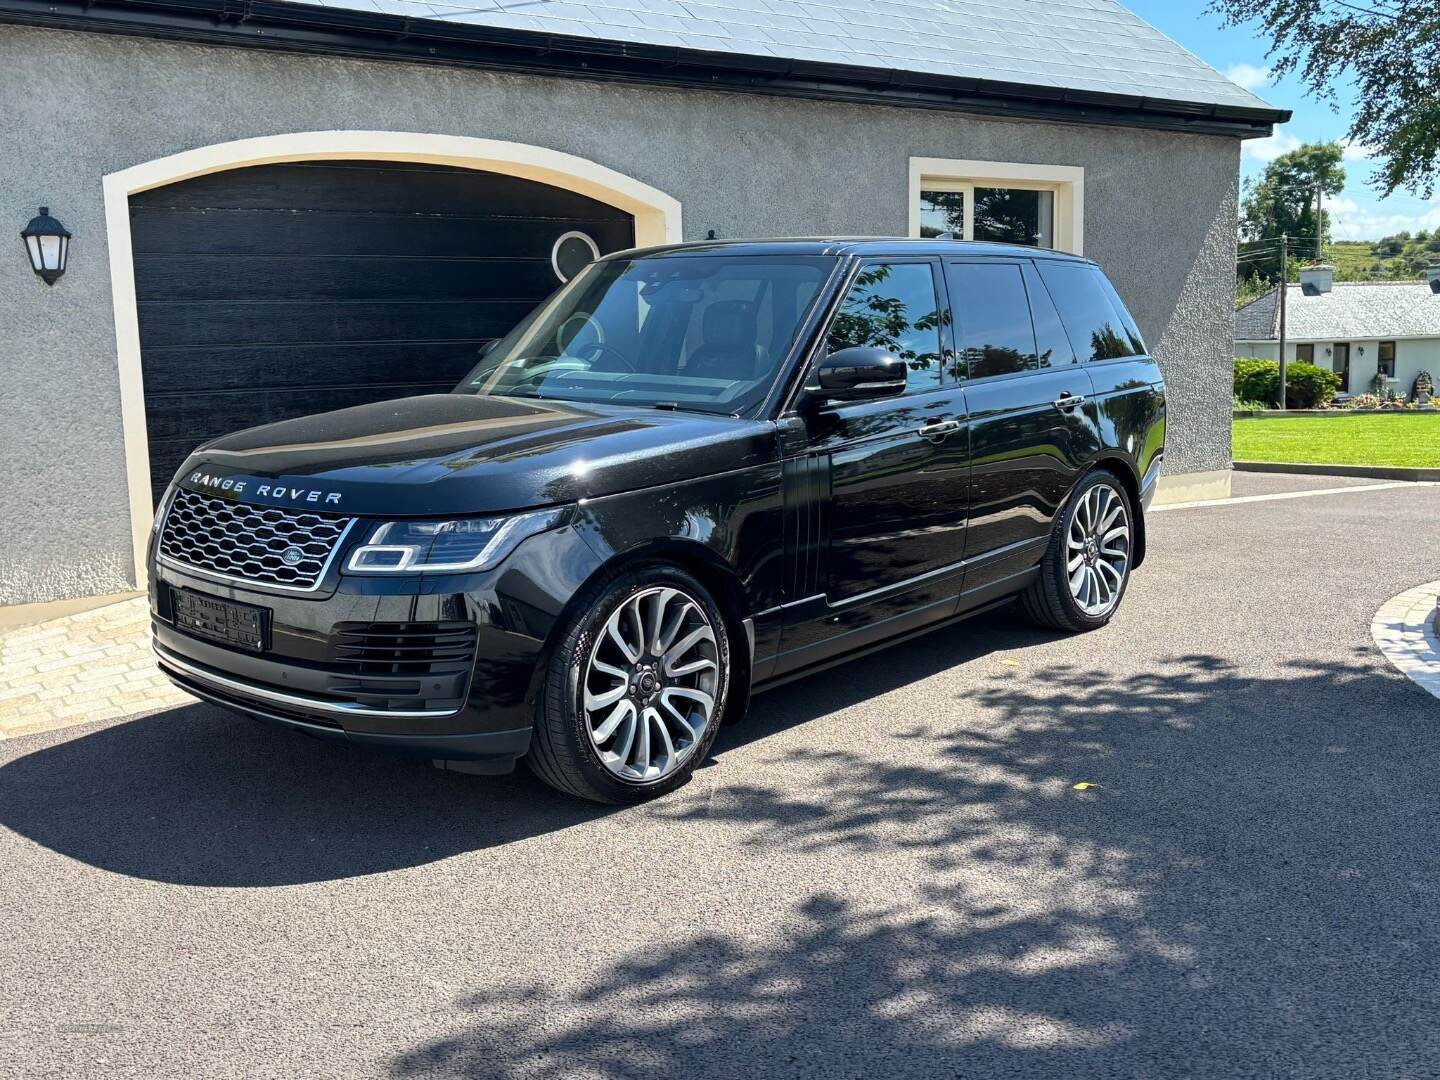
[{"x": 846, "y": 245}]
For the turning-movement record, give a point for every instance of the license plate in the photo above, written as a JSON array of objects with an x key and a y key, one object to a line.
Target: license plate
[{"x": 235, "y": 624}]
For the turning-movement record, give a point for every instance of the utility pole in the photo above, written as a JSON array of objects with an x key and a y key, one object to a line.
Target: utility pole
[
  {"x": 1284, "y": 289},
  {"x": 1319, "y": 223}
]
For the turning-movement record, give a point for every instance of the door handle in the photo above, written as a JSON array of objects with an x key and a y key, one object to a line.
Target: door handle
[
  {"x": 936, "y": 430},
  {"x": 1068, "y": 401}
]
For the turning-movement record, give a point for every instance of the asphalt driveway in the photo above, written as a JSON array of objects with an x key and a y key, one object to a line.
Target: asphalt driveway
[{"x": 886, "y": 872}]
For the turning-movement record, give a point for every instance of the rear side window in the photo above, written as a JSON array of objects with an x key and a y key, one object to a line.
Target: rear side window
[
  {"x": 1126, "y": 319},
  {"x": 894, "y": 306},
  {"x": 992, "y": 314},
  {"x": 1050, "y": 336},
  {"x": 1099, "y": 327}
]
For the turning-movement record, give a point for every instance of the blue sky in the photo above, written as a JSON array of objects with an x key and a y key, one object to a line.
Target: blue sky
[{"x": 1357, "y": 214}]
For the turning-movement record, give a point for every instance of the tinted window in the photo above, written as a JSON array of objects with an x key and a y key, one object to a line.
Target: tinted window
[
  {"x": 1082, "y": 295},
  {"x": 1137, "y": 345},
  {"x": 893, "y": 306},
  {"x": 992, "y": 316},
  {"x": 1050, "y": 337},
  {"x": 1305, "y": 354}
]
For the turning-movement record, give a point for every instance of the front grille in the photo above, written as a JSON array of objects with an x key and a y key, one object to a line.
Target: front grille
[
  {"x": 435, "y": 648},
  {"x": 283, "y": 549}
]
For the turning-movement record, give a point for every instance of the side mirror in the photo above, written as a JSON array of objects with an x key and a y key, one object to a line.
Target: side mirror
[{"x": 860, "y": 373}]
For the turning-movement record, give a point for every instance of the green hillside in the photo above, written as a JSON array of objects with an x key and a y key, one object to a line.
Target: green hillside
[{"x": 1394, "y": 258}]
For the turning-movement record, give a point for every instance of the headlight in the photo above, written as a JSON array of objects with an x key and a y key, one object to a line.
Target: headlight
[{"x": 409, "y": 547}]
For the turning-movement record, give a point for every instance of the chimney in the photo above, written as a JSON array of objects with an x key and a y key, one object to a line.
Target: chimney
[
  {"x": 1317, "y": 279},
  {"x": 1433, "y": 276}
]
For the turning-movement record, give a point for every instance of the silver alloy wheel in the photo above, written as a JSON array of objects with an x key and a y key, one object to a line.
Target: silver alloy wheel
[
  {"x": 1097, "y": 550},
  {"x": 650, "y": 684}
]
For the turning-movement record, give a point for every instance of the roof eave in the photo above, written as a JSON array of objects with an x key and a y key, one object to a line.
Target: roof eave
[{"x": 277, "y": 25}]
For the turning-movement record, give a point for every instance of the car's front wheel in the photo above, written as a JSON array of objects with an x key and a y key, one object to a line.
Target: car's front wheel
[
  {"x": 635, "y": 688},
  {"x": 1086, "y": 568}
]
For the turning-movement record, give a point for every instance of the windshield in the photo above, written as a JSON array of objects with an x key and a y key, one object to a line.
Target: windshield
[{"x": 705, "y": 332}]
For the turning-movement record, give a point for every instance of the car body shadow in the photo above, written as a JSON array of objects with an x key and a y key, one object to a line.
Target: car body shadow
[{"x": 198, "y": 796}]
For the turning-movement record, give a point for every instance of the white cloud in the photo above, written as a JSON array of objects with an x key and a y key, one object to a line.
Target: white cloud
[
  {"x": 1248, "y": 75},
  {"x": 1358, "y": 152},
  {"x": 1271, "y": 147},
  {"x": 1351, "y": 220}
]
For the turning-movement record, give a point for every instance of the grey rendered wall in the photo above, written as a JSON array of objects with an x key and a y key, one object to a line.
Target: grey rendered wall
[{"x": 1160, "y": 212}]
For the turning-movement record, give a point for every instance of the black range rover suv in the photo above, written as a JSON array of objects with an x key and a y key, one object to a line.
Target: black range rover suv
[{"x": 692, "y": 473}]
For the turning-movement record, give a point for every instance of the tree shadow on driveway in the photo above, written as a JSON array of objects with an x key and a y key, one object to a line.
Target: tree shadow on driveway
[
  {"x": 1248, "y": 889},
  {"x": 199, "y": 796}
]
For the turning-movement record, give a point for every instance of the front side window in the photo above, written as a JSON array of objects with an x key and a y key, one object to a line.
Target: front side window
[
  {"x": 1305, "y": 354},
  {"x": 1007, "y": 215},
  {"x": 894, "y": 306},
  {"x": 704, "y": 332},
  {"x": 992, "y": 316},
  {"x": 1099, "y": 327},
  {"x": 1387, "y": 359}
]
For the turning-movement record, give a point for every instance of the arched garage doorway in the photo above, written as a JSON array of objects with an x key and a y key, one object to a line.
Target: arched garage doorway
[
  {"x": 275, "y": 291},
  {"x": 278, "y": 276}
]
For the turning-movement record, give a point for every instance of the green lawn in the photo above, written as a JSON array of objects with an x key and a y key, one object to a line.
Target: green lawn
[{"x": 1410, "y": 439}]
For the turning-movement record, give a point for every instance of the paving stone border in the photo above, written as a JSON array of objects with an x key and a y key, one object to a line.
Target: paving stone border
[
  {"x": 1404, "y": 629},
  {"x": 93, "y": 665}
]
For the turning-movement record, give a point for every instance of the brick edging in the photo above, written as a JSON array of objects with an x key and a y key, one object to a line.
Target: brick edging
[{"x": 1407, "y": 630}]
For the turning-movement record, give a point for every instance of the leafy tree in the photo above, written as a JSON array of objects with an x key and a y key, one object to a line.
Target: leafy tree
[
  {"x": 872, "y": 315},
  {"x": 1282, "y": 201},
  {"x": 1250, "y": 287},
  {"x": 1390, "y": 48}
]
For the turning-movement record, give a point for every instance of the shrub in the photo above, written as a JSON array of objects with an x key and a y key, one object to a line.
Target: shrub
[{"x": 1306, "y": 386}]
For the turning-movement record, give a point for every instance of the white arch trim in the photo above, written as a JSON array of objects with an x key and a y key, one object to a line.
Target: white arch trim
[{"x": 656, "y": 214}]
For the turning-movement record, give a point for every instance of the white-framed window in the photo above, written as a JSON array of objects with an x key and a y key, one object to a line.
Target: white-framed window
[
  {"x": 1010, "y": 202},
  {"x": 1385, "y": 362}
]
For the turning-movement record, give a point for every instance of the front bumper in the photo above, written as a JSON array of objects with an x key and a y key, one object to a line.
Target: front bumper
[{"x": 477, "y": 709}]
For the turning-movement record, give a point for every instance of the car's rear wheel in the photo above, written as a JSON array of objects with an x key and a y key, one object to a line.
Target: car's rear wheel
[
  {"x": 635, "y": 688},
  {"x": 1086, "y": 567}
]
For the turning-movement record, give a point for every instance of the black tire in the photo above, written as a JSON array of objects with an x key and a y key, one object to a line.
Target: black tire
[
  {"x": 562, "y": 752},
  {"x": 1049, "y": 600}
]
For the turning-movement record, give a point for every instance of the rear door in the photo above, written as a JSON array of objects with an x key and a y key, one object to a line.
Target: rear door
[{"x": 1030, "y": 431}]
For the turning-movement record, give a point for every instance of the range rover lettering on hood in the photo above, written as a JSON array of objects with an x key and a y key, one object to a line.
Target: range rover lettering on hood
[{"x": 255, "y": 490}]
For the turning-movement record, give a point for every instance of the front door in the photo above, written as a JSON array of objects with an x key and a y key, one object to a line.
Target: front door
[
  {"x": 1031, "y": 427},
  {"x": 876, "y": 501},
  {"x": 1340, "y": 361}
]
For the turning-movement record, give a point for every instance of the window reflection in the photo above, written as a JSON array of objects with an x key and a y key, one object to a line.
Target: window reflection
[
  {"x": 1013, "y": 216},
  {"x": 893, "y": 306},
  {"x": 1100, "y": 328},
  {"x": 994, "y": 319},
  {"x": 942, "y": 212}
]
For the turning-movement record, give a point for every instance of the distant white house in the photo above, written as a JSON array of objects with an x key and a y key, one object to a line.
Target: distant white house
[{"x": 1355, "y": 329}]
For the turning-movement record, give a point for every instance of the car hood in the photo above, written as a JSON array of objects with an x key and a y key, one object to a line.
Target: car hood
[{"x": 458, "y": 453}]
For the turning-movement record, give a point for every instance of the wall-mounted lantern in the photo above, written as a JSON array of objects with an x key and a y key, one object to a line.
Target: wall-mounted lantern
[{"x": 48, "y": 244}]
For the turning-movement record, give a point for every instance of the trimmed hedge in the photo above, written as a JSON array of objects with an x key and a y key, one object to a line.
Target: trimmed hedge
[{"x": 1306, "y": 386}]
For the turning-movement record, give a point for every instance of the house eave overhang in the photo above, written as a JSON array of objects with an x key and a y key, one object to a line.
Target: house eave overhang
[{"x": 290, "y": 27}]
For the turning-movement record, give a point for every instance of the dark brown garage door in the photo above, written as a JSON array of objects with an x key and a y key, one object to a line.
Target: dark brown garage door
[{"x": 280, "y": 290}]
